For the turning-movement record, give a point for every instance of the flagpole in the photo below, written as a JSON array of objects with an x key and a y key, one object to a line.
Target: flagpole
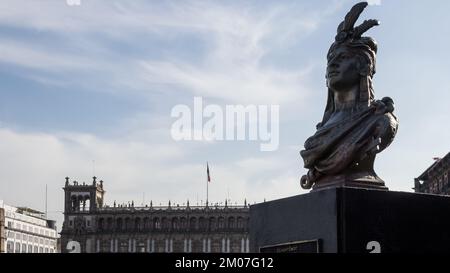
[{"x": 207, "y": 182}]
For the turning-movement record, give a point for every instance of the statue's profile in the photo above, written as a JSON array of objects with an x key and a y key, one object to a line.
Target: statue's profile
[{"x": 355, "y": 126}]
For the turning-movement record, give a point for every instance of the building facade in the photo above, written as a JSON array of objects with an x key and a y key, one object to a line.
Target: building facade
[
  {"x": 24, "y": 230},
  {"x": 91, "y": 226},
  {"x": 435, "y": 179}
]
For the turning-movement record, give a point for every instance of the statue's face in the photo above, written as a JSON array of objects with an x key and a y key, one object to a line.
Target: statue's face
[{"x": 343, "y": 70}]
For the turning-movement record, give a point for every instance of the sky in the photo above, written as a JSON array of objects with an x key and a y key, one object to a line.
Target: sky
[{"x": 88, "y": 90}]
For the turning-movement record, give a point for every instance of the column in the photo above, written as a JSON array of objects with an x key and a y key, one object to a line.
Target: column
[{"x": 247, "y": 246}]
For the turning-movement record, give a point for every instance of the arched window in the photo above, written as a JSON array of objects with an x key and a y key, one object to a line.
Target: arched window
[
  {"x": 109, "y": 223},
  {"x": 202, "y": 223},
  {"x": 146, "y": 224},
  {"x": 119, "y": 224},
  {"x": 73, "y": 200},
  {"x": 137, "y": 224},
  {"x": 156, "y": 223},
  {"x": 212, "y": 223},
  {"x": 240, "y": 222},
  {"x": 127, "y": 224},
  {"x": 221, "y": 223},
  {"x": 231, "y": 222},
  {"x": 101, "y": 223},
  {"x": 183, "y": 223},
  {"x": 175, "y": 223},
  {"x": 165, "y": 223},
  {"x": 86, "y": 203},
  {"x": 193, "y": 223}
]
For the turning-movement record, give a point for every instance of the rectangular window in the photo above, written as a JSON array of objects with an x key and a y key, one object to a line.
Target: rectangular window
[
  {"x": 10, "y": 247},
  {"x": 70, "y": 223}
]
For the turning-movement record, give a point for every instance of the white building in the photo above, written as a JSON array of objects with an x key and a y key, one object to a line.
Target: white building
[{"x": 24, "y": 230}]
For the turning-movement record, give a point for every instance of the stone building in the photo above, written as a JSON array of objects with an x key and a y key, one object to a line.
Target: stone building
[
  {"x": 25, "y": 230},
  {"x": 2, "y": 231},
  {"x": 91, "y": 226},
  {"x": 435, "y": 179}
]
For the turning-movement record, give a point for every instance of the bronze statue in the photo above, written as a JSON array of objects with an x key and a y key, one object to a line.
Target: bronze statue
[{"x": 355, "y": 126}]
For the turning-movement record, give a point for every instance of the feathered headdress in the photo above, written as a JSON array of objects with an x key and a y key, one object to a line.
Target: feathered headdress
[
  {"x": 346, "y": 29},
  {"x": 350, "y": 36}
]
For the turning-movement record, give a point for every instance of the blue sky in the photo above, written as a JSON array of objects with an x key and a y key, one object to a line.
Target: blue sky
[{"x": 98, "y": 82}]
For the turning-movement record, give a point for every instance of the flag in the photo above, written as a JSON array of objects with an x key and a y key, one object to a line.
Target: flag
[{"x": 207, "y": 172}]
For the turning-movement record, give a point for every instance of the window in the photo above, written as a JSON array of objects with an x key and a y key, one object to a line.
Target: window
[
  {"x": 24, "y": 248},
  {"x": 156, "y": 223},
  {"x": 10, "y": 247},
  {"x": 9, "y": 224},
  {"x": 70, "y": 223},
  {"x": 41, "y": 250},
  {"x": 35, "y": 249},
  {"x": 17, "y": 250},
  {"x": 30, "y": 248}
]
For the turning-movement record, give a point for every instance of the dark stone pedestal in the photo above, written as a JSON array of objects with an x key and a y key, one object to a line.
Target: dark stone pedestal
[{"x": 351, "y": 220}]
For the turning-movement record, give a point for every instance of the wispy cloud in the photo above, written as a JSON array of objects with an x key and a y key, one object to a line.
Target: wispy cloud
[{"x": 238, "y": 39}]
